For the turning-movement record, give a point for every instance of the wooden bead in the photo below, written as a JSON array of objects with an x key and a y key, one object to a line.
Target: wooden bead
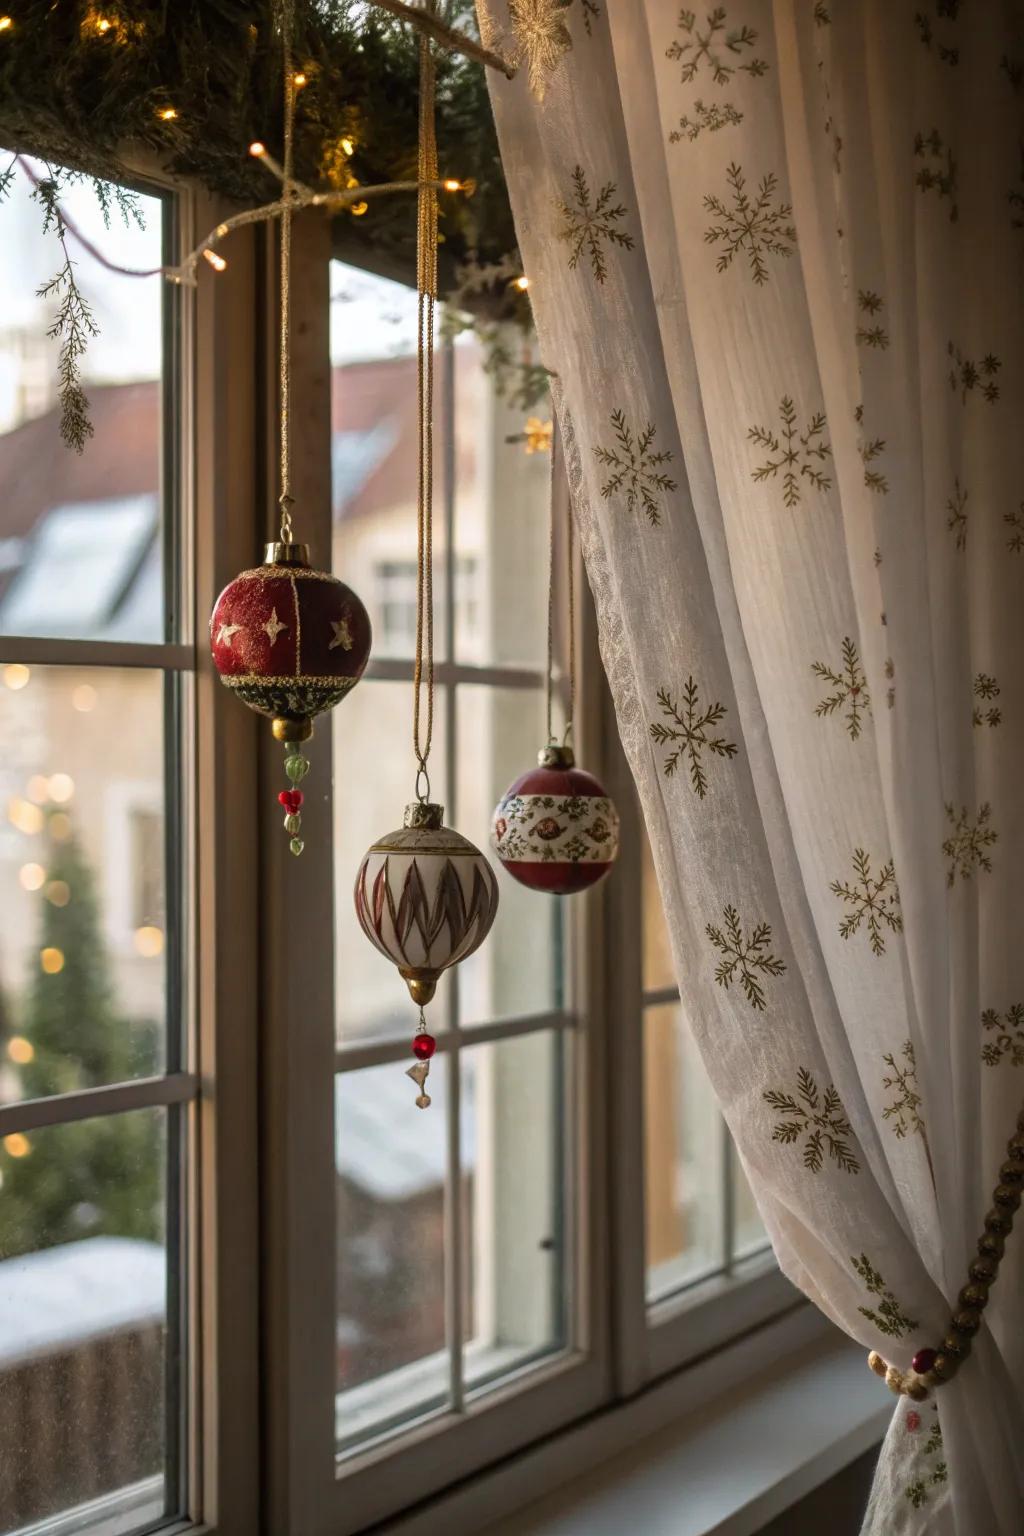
[
  {"x": 876, "y": 1363},
  {"x": 1007, "y": 1196},
  {"x": 917, "y": 1390},
  {"x": 984, "y": 1269},
  {"x": 1015, "y": 1147},
  {"x": 1012, "y": 1171},
  {"x": 967, "y": 1321},
  {"x": 956, "y": 1344},
  {"x": 999, "y": 1221},
  {"x": 945, "y": 1367},
  {"x": 894, "y": 1380},
  {"x": 992, "y": 1246},
  {"x": 974, "y": 1295}
]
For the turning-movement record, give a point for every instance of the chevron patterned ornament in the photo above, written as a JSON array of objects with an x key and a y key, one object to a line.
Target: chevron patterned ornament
[{"x": 426, "y": 897}]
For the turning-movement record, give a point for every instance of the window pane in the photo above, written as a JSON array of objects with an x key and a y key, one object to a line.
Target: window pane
[
  {"x": 512, "y": 1161},
  {"x": 374, "y": 459},
  {"x": 748, "y": 1228},
  {"x": 518, "y": 970},
  {"x": 83, "y": 1315},
  {"x": 80, "y": 548},
  {"x": 659, "y": 970},
  {"x": 684, "y": 1157},
  {"x": 83, "y": 989},
  {"x": 374, "y": 776},
  {"x": 391, "y": 1163},
  {"x": 502, "y": 521}
]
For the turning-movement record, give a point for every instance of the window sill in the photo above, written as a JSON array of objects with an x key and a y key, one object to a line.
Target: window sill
[{"x": 717, "y": 1450}]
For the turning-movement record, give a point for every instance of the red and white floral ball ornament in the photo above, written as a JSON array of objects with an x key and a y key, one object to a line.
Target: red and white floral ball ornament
[{"x": 556, "y": 829}]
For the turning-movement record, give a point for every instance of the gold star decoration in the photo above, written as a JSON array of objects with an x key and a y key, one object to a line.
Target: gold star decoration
[
  {"x": 225, "y": 633},
  {"x": 541, "y": 39},
  {"x": 342, "y": 634},
  {"x": 273, "y": 627}
]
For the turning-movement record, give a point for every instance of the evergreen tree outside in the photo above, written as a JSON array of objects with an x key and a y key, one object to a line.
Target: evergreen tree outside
[{"x": 90, "y": 1177}]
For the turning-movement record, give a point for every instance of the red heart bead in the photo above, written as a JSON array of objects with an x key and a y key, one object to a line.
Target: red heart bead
[{"x": 291, "y": 799}]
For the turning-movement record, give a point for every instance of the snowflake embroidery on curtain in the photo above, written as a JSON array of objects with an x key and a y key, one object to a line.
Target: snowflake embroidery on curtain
[
  {"x": 947, "y": 52},
  {"x": 986, "y": 688},
  {"x": 965, "y": 849},
  {"x": 797, "y": 453},
  {"x": 871, "y": 335},
  {"x": 590, "y": 11},
  {"x": 819, "y": 1118},
  {"x": 872, "y": 899},
  {"x": 720, "y": 51},
  {"x": 635, "y": 466},
  {"x": 905, "y": 1109},
  {"x": 748, "y": 224},
  {"x": 821, "y": 15},
  {"x": 748, "y": 957},
  {"x": 1013, "y": 69},
  {"x": 541, "y": 40},
  {"x": 967, "y": 376},
  {"x": 586, "y": 227},
  {"x": 933, "y": 1476},
  {"x": 890, "y": 692},
  {"x": 1007, "y": 1042},
  {"x": 956, "y": 522},
  {"x": 849, "y": 688},
  {"x": 689, "y": 730},
  {"x": 1016, "y": 521},
  {"x": 705, "y": 120},
  {"x": 870, "y": 449},
  {"x": 890, "y": 1317},
  {"x": 939, "y": 173}
]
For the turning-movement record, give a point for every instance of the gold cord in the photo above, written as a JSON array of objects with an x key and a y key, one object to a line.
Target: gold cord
[
  {"x": 571, "y": 592},
  {"x": 285, "y": 501},
  {"x": 426, "y": 284}
]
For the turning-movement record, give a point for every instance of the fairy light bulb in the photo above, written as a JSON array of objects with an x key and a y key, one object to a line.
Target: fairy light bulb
[
  {"x": 359, "y": 209},
  {"x": 168, "y": 114},
  {"x": 451, "y": 185},
  {"x": 216, "y": 262},
  {"x": 299, "y": 80},
  {"x": 348, "y": 147},
  {"x": 6, "y": 23},
  {"x": 103, "y": 25},
  {"x": 257, "y": 148}
]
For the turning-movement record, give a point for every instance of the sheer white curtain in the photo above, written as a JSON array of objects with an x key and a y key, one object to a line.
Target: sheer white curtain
[{"x": 776, "y": 256}]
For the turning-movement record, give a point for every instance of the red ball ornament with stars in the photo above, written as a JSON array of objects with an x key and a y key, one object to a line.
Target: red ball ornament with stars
[
  {"x": 290, "y": 641},
  {"x": 556, "y": 829}
]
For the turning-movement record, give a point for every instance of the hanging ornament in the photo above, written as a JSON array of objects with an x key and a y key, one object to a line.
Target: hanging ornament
[
  {"x": 290, "y": 640},
  {"x": 424, "y": 895},
  {"x": 556, "y": 829}
]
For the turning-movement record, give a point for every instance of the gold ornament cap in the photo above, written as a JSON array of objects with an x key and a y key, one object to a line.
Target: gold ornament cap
[
  {"x": 424, "y": 815},
  {"x": 287, "y": 730},
  {"x": 280, "y": 553},
  {"x": 553, "y": 756}
]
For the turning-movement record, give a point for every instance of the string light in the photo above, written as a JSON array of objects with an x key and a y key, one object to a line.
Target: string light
[
  {"x": 38, "y": 789},
  {"x": 359, "y": 209},
  {"x": 5, "y": 23},
  {"x": 452, "y": 186},
  {"x": 31, "y": 876},
  {"x": 348, "y": 146},
  {"x": 257, "y": 149},
  {"x": 299, "y": 80},
  {"x": 60, "y": 826},
  {"x": 216, "y": 262},
  {"x": 167, "y": 114},
  {"x": 61, "y": 786},
  {"x": 522, "y": 283},
  {"x": 28, "y": 818}
]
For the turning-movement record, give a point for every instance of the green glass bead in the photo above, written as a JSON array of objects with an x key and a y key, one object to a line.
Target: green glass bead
[
  {"x": 292, "y": 823},
  {"x": 296, "y": 767},
  {"x": 296, "y": 845}
]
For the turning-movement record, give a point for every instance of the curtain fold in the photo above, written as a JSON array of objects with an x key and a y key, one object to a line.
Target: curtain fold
[{"x": 775, "y": 255}]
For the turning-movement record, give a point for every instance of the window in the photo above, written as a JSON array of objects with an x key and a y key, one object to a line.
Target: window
[{"x": 95, "y": 1012}]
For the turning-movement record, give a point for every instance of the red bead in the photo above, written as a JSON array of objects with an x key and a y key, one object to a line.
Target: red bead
[
  {"x": 292, "y": 800},
  {"x": 424, "y": 1046},
  {"x": 924, "y": 1360}
]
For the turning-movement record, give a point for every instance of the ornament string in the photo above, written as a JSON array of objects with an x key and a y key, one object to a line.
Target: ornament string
[
  {"x": 570, "y": 592},
  {"x": 285, "y": 501},
  {"x": 426, "y": 286}
]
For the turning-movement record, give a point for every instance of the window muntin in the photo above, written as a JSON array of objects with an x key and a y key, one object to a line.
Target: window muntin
[
  {"x": 460, "y": 1326},
  {"x": 95, "y": 1107}
]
